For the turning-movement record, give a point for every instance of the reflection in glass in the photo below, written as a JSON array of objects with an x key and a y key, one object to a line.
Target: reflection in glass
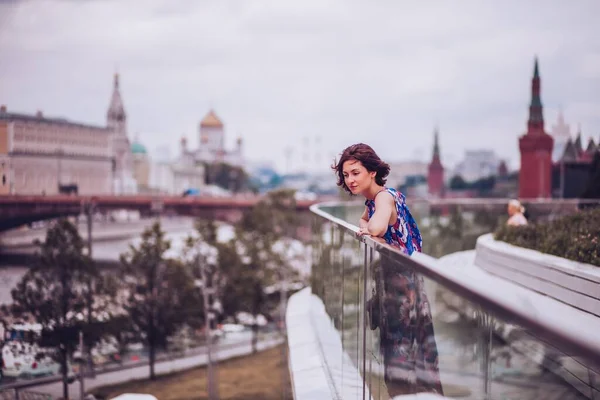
[
  {"x": 405, "y": 333},
  {"x": 400, "y": 310}
]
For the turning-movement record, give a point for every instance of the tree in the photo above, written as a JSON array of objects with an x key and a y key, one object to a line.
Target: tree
[
  {"x": 161, "y": 294},
  {"x": 484, "y": 185},
  {"x": 261, "y": 254},
  {"x": 458, "y": 183},
  {"x": 481, "y": 185},
  {"x": 201, "y": 253},
  {"x": 227, "y": 176},
  {"x": 241, "y": 269},
  {"x": 54, "y": 291}
]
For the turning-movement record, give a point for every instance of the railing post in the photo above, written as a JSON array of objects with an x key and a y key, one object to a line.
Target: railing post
[
  {"x": 364, "y": 325},
  {"x": 485, "y": 340},
  {"x": 81, "y": 368},
  {"x": 89, "y": 214}
]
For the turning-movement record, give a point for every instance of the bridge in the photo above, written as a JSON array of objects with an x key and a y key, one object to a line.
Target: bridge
[{"x": 17, "y": 210}]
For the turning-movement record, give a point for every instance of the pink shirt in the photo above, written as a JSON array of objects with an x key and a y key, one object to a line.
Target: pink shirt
[{"x": 517, "y": 219}]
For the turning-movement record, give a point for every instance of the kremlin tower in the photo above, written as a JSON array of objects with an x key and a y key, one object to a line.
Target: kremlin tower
[
  {"x": 435, "y": 172},
  {"x": 535, "y": 176}
]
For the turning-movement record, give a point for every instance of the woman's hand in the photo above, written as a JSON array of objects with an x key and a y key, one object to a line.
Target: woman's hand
[{"x": 363, "y": 231}]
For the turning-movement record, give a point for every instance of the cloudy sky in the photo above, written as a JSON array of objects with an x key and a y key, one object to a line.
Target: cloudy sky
[{"x": 307, "y": 75}]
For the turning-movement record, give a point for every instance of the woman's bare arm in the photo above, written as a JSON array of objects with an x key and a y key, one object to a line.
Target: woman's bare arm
[
  {"x": 379, "y": 221},
  {"x": 364, "y": 219}
]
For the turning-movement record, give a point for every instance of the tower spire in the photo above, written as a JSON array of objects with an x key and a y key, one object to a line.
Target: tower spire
[
  {"x": 116, "y": 117},
  {"x": 435, "y": 159},
  {"x": 436, "y": 144},
  {"x": 435, "y": 170},
  {"x": 535, "y": 125}
]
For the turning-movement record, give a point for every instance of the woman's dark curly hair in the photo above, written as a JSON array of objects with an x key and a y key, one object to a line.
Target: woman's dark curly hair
[{"x": 368, "y": 158}]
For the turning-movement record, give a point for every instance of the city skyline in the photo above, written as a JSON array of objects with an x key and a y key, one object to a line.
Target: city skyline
[{"x": 278, "y": 74}]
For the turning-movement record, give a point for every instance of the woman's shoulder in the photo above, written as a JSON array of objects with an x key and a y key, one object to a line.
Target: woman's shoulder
[
  {"x": 386, "y": 195},
  {"x": 398, "y": 196}
]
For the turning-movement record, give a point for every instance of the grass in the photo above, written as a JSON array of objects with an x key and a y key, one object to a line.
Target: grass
[{"x": 254, "y": 377}]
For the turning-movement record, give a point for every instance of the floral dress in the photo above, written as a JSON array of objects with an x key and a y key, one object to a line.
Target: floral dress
[
  {"x": 404, "y": 233},
  {"x": 404, "y": 316}
]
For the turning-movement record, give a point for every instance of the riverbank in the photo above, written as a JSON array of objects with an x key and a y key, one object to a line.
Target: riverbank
[{"x": 22, "y": 239}]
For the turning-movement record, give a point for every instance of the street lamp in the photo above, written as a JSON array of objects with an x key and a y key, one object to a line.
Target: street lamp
[{"x": 209, "y": 314}]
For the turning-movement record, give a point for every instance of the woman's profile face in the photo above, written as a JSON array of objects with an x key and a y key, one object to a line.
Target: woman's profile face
[{"x": 356, "y": 176}]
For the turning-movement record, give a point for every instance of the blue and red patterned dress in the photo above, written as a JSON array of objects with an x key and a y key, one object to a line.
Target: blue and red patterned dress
[
  {"x": 404, "y": 234},
  {"x": 406, "y": 327}
]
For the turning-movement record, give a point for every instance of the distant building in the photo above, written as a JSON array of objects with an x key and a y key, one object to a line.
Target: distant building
[
  {"x": 116, "y": 120},
  {"x": 535, "y": 177},
  {"x": 161, "y": 177},
  {"x": 572, "y": 169},
  {"x": 478, "y": 164},
  {"x": 435, "y": 172},
  {"x": 402, "y": 171},
  {"x": 41, "y": 155},
  {"x": 141, "y": 166},
  {"x": 502, "y": 169},
  {"x": 561, "y": 132},
  {"x": 188, "y": 171},
  {"x": 212, "y": 143}
]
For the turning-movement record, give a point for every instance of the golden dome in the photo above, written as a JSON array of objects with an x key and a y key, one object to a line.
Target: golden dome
[{"x": 211, "y": 120}]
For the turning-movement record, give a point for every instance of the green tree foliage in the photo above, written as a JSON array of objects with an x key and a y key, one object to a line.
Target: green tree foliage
[
  {"x": 262, "y": 243},
  {"x": 482, "y": 186},
  {"x": 54, "y": 291},
  {"x": 240, "y": 269},
  {"x": 456, "y": 230},
  {"x": 458, "y": 183},
  {"x": 161, "y": 296},
  {"x": 576, "y": 237},
  {"x": 202, "y": 254},
  {"x": 227, "y": 176}
]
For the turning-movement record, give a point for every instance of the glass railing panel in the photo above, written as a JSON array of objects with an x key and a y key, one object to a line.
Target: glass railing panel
[
  {"x": 328, "y": 280},
  {"x": 427, "y": 338},
  {"x": 408, "y": 333},
  {"x": 374, "y": 377},
  {"x": 525, "y": 365},
  {"x": 412, "y": 346},
  {"x": 353, "y": 269}
]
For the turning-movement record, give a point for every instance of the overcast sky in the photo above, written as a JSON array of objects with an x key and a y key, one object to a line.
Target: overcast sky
[{"x": 310, "y": 73}]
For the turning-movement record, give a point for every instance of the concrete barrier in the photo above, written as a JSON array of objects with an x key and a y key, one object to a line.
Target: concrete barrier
[{"x": 570, "y": 282}]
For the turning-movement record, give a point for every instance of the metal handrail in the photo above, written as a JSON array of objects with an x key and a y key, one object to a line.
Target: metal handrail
[{"x": 576, "y": 340}]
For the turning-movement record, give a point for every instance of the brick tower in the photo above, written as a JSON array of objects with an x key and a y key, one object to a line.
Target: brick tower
[
  {"x": 535, "y": 176},
  {"x": 435, "y": 173}
]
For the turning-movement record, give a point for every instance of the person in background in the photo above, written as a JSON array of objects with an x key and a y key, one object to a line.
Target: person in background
[
  {"x": 399, "y": 306},
  {"x": 516, "y": 213}
]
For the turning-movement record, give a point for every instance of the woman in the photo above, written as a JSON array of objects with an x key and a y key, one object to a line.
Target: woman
[
  {"x": 516, "y": 213},
  {"x": 361, "y": 171},
  {"x": 400, "y": 307}
]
